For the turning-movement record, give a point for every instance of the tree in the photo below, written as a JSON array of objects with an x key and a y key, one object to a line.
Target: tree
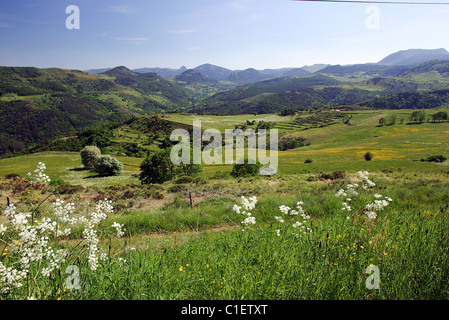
[
  {"x": 246, "y": 169},
  {"x": 89, "y": 156},
  {"x": 436, "y": 158},
  {"x": 418, "y": 116},
  {"x": 157, "y": 168},
  {"x": 368, "y": 156},
  {"x": 166, "y": 143},
  {"x": 189, "y": 169},
  {"x": 440, "y": 116},
  {"x": 107, "y": 165},
  {"x": 382, "y": 121},
  {"x": 392, "y": 119}
]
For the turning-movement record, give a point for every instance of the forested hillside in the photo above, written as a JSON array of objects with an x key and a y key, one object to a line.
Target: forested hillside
[{"x": 41, "y": 104}]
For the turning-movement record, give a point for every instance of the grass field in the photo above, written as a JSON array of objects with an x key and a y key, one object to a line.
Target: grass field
[
  {"x": 223, "y": 122},
  {"x": 174, "y": 249}
]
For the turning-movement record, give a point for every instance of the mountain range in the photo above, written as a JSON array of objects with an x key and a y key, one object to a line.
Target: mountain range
[
  {"x": 40, "y": 104},
  {"x": 400, "y": 58}
]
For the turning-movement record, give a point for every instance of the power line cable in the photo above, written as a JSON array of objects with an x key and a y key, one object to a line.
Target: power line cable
[{"x": 378, "y": 2}]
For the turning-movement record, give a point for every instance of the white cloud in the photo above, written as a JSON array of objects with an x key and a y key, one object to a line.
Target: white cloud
[
  {"x": 130, "y": 38},
  {"x": 122, "y": 9},
  {"x": 181, "y": 31}
]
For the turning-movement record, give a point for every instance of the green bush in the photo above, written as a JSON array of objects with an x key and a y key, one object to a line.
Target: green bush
[
  {"x": 157, "y": 168},
  {"x": 12, "y": 176},
  {"x": 89, "y": 155},
  {"x": 183, "y": 179},
  {"x": 107, "y": 165},
  {"x": 436, "y": 158},
  {"x": 368, "y": 156},
  {"x": 177, "y": 203},
  {"x": 57, "y": 182},
  {"x": 332, "y": 176},
  {"x": 177, "y": 188},
  {"x": 246, "y": 169}
]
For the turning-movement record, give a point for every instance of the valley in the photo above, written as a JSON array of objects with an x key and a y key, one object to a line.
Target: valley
[{"x": 362, "y": 181}]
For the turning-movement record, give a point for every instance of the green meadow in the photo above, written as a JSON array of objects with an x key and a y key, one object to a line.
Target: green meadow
[{"x": 183, "y": 240}]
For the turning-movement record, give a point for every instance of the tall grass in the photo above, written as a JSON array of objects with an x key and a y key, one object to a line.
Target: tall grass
[
  {"x": 410, "y": 250},
  {"x": 409, "y": 246}
]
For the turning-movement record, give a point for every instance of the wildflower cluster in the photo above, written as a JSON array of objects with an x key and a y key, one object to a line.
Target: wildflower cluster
[
  {"x": 29, "y": 243},
  {"x": 102, "y": 209},
  {"x": 118, "y": 229},
  {"x": 371, "y": 209},
  {"x": 63, "y": 212},
  {"x": 301, "y": 227},
  {"x": 247, "y": 205},
  {"x": 38, "y": 176}
]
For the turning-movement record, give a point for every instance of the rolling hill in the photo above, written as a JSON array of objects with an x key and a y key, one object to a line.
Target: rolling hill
[
  {"x": 414, "y": 56},
  {"x": 41, "y": 104},
  {"x": 334, "y": 85},
  {"x": 49, "y": 103},
  {"x": 163, "y": 72},
  {"x": 213, "y": 72}
]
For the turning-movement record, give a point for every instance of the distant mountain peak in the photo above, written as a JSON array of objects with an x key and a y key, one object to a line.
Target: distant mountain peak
[
  {"x": 213, "y": 71},
  {"x": 415, "y": 56},
  {"x": 120, "y": 70},
  {"x": 192, "y": 76}
]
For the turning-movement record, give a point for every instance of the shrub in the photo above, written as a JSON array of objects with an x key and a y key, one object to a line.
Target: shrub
[
  {"x": 308, "y": 161},
  {"x": 183, "y": 179},
  {"x": 57, "y": 182},
  {"x": 68, "y": 189},
  {"x": 107, "y": 165},
  {"x": 246, "y": 169},
  {"x": 436, "y": 158},
  {"x": 157, "y": 168},
  {"x": 289, "y": 142},
  {"x": 89, "y": 155},
  {"x": 189, "y": 169},
  {"x": 177, "y": 188},
  {"x": 12, "y": 176},
  {"x": 368, "y": 156},
  {"x": 159, "y": 194},
  {"x": 332, "y": 176},
  {"x": 177, "y": 203}
]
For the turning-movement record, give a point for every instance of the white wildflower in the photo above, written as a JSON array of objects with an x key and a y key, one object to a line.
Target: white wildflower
[
  {"x": 118, "y": 227},
  {"x": 249, "y": 220},
  {"x": 284, "y": 209},
  {"x": 371, "y": 214},
  {"x": 279, "y": 219},
  {"x": 346, "y": 207},
  {"x": 2, "y": 229},
  {"x": 297, "y": 224},
  {"x": 39, "y": 176}
]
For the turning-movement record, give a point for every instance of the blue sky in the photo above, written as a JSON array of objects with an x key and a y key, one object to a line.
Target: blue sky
[{"x": 236, "y": 34}]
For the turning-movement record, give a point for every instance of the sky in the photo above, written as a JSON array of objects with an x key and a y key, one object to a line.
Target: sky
[{"x": 235, "y": 34}]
